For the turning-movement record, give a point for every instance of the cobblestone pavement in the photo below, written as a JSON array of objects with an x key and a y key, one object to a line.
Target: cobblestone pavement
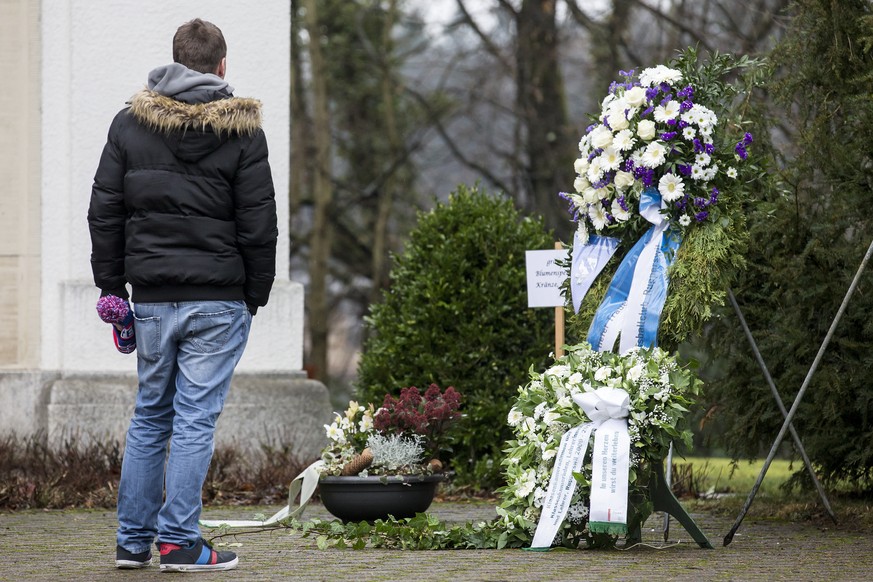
[{"x": 79, "y": 545}]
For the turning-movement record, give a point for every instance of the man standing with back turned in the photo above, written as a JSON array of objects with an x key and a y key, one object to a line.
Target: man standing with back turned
[{"x": 183, "y": 210}]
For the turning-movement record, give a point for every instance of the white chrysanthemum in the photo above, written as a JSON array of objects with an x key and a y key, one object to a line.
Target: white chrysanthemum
[
  {"x": 610, "y": 159},
  {"x": 581, "y": 165},
  {"x": 731, "y": 172},
  {"x": 619, "y": 213},
  {"x": 684, "y": 220},
  {"x": 528, "y": 425},
  {"x": 525, "y": 484},
  {"x": 654, "y": 155},
  {"x": 623, "y": 140},
  {"x": 585, "y": 145},
  {"x": 635, "y": 96},
  {"x": 702, "y": 159},
  {"x": 540, "y": 410},
  {"x": 559, "y": 371},
  {"x": 697, "y": 172},
  {"x": 595, "y": 171},
  {"x": 664, "y": 113},
  {"x": 689, "y": 133},
  {"x": 575, "y": 378},
  {"x": 597, "y": 214},
  {"x": 551, "y": 416},
  {"x": 366, "y": 424},
  {"x": 659, "y": 74},
  {"x": 710, "y": 172},
  {"x": 601, "y": 137},
  {"x": 646, "y": 129},
  {"x": 671, "y": 187},
  {"x": 580, "y": 184},
  {"x": 549, "y": 454},
  {"x": 604, "y": 105},
  {"x": 515, "y": 417}
]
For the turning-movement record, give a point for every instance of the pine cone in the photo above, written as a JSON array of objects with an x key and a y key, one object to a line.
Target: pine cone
[{"x": 358, "y": 464}]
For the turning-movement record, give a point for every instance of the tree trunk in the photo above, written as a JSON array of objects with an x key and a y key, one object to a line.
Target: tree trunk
[
  {"x": 549, "y": 141},
  {"x": 320, "y": 240}
]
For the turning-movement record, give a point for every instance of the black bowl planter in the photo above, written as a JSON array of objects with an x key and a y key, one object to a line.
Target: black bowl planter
[{"x": 376, "y": 497}]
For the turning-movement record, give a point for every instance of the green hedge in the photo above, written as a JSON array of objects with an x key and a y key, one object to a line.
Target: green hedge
[{"x": 456, "y": 315}]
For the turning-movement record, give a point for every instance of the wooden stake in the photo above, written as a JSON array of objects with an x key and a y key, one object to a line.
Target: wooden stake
[{"x": 559, "y": 321}]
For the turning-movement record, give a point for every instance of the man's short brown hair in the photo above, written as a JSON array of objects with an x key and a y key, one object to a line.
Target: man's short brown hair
[{"x": 199, "y": 45}]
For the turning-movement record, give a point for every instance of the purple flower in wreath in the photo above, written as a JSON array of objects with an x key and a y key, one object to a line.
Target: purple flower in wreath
[
  {"x": 747, "y": 139},
  {"x": 741, "y": 151},
  {"x": 701, "y": 216}
]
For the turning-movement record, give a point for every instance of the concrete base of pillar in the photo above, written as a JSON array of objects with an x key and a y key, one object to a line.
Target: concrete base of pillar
[{"x": 276, "y": 410}]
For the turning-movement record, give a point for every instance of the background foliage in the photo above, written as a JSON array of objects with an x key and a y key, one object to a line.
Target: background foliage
[
  {"x": 456, "y": 315},
  {"x": 807, "y": 240}
]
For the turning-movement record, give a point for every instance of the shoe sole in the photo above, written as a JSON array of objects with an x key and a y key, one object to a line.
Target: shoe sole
[
  {"x": 199, "y": 567},
  {"x": 131, "y": 564}
]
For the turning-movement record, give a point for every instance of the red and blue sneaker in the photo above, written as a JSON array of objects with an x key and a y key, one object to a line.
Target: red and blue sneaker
[{"x": 197, "y": 557}]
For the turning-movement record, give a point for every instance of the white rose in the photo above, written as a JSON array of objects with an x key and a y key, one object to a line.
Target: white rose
[
  {"x": 646, "y": 129},
  {"x": 581, "y": 184},
  {"x": 601, "y": 137},
  {"x": 617, "y": 121},
  {"x": 623, "y": 180},
  {"x": 635, "y": 96},
  {"x": 581, "y": 165}
]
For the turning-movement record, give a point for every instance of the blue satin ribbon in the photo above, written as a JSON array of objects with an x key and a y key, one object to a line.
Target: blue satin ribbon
[
  {"x": 589, "y": 258},
  {"x": 611, "y": 317}
]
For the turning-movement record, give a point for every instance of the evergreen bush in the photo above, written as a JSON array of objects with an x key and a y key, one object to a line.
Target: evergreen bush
[
  {"x": 456, "y": 315},
  {"x": 807, "y": 241}
]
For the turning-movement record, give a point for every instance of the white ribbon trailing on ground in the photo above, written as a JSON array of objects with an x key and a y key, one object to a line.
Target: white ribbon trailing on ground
[
  {"x": 303, "y": 484},
  {"x": 608, "y": 409},
  {"x": 635, "y": 298}
]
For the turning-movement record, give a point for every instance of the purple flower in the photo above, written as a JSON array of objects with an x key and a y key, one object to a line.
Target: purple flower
[
  {"x": 698, "y": 145},
  {"x": 651, "y": 93},
  {"x": 701, "y": 216},
  {"x": 682, "y": 124},
  {"x": 713, "y": 196},
  {"x": 590, "y": 128},
  {"x": 684, "y": 169},
  {"x": 686, "y": 93},
  {"x": 622, "y": 203},
  {"x": 741, "y": 151},
  {"x": 682, "y": 202},
  {"x": 647, "y": 111},
  {"x": 668, "y": 135},
  {"x": 686, "y": 105},
  {"x": 671, "y": 122},
  {"x": 626, "y": 73},
  {"x": 701, "y": 202},
  {"x": 747, "y": 138},
  {"x": 627, "y": 165},
  {"x": 665, "y": 87},
  {"x": 709, "y": 148}
]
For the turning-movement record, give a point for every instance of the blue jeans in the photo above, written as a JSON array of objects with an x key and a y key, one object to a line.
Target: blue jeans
[{"x": 186, "y": 354}]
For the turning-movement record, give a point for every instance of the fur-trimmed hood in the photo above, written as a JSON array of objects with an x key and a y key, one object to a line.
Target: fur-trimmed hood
[{"x": 224, "y": 116}]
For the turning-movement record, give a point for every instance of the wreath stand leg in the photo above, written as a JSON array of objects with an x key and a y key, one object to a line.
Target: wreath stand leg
[{"x": 664, "y": 500}]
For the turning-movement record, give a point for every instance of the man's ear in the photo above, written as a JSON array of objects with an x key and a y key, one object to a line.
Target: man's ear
[{"x": 222, "y": 68}]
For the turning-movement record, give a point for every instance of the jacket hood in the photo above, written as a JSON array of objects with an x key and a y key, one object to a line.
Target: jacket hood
[{"x": 193, "y": 130}]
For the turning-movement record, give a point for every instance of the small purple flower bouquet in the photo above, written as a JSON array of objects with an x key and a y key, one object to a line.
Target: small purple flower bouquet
[{"x": 116, "y": 311}]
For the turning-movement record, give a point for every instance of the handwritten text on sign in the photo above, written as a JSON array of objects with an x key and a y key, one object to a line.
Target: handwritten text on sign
[{"x": 544, "y": 278}]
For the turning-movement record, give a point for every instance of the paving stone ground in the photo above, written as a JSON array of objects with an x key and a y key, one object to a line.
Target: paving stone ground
[{"x": 79, "y": 545}]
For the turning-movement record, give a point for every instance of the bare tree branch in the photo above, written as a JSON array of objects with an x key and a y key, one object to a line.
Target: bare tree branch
[{"x": 492, "y": 48}]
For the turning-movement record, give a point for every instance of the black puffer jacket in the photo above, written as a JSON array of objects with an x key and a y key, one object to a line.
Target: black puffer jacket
[{"x": 183, "y": 205}]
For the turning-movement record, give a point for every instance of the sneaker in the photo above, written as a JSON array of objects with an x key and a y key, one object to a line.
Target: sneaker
[
  {"x": 129, "y": 561},
  {"x": 198, "y": 557}
]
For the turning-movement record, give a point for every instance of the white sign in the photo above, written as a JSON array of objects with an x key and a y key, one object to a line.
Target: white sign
[{"x": 544, "y": 278}]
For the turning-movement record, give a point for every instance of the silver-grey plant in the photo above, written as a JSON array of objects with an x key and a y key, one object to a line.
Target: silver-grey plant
[{"x": 396, "y": 453}]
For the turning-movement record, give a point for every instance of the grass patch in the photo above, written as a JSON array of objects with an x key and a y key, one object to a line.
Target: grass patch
[{"x": 717, "y": 476}]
